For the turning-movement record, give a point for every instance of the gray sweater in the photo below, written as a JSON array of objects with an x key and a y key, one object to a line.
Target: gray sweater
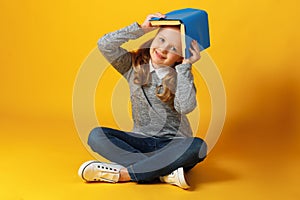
[{"x": 160, "y": 120}]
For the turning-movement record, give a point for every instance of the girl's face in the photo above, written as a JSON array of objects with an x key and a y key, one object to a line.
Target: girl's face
[{"x": 165, "y": 49}]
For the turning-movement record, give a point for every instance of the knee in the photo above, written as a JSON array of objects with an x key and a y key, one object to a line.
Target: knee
[
  {"x": 200, "y": 148},
  {"x": 95, "y": 136}
]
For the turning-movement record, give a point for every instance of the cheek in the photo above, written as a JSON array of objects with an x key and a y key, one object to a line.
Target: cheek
[
  {"x": 151, "y": 52},
  {"x": 174, "y": 57},
  {"x": 154, "y": 45}
]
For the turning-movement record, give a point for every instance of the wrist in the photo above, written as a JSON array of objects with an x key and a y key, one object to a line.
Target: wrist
[
  {"x": 142, "y": 27},
  {"x": 186, "y": 61},
  {"x": 183, "y": 67}
]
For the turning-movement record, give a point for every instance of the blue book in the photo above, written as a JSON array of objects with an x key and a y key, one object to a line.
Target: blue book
[{"x": 193, "y": 25}]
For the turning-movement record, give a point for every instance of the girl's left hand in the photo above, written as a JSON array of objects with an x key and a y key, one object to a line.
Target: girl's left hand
[{"x": 195, "y": 50}]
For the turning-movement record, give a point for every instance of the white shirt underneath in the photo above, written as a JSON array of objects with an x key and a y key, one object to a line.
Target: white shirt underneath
[{"x": 160, "y": 72}]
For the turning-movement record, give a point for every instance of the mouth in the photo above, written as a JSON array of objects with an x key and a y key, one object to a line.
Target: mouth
[{"x": 159, "y": 55}]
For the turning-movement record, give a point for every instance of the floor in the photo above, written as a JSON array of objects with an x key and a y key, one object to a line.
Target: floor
[{"x": 40, "y": 158}]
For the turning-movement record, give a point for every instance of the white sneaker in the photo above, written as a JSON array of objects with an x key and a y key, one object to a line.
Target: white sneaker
[
  {"x": 176, "y": 178},
  {"x": 92, "y": 171}
]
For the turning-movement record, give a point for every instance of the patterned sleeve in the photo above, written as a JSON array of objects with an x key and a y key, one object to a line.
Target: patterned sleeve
[
  {"x": 185, "y": 95},
  {"x": 110, "y": 46}
]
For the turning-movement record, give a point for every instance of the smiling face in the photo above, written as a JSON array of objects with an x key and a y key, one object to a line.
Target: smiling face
[{"x": 165, "y": 49}]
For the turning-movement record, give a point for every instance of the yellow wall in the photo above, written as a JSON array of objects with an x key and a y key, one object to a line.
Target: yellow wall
[{"x": 255, "y": 44}]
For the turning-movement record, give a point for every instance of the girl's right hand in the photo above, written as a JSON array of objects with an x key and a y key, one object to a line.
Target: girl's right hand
[
  {"x": 146, "y": 26},
  {"x": 195, "y": 53}
]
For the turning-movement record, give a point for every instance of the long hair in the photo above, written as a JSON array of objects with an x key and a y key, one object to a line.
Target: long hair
[{"x": 142, "y": 77}]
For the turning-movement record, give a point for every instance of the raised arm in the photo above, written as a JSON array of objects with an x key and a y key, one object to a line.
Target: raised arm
[
  {"x": 110, "y": 46},
  {"x": 185, "y": 95}
]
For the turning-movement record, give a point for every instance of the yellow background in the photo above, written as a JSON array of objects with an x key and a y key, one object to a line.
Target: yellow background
[{"x": 254, "y": 43}]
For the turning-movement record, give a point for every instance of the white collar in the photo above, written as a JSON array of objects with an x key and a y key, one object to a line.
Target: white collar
[{"x": 160, "y": 72}]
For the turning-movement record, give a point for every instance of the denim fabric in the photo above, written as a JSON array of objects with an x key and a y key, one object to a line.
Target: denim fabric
[{"x": 147, "y": 158}]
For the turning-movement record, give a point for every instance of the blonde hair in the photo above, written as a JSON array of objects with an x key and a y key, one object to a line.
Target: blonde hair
[{"x": 140, "y": 59}]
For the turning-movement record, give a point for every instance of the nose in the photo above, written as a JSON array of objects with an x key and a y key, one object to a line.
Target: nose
[{"x": 164, "y": 50}]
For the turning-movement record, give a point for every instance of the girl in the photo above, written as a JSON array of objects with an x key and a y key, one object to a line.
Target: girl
[{"x": 161, "y": 146}]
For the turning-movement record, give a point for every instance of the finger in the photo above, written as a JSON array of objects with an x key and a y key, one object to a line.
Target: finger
[
  {"x": 158, "y": 15},
  {"x": 195, "y": 55},
  {"x": 195, "y": 46},
  {"x": 193, "y": 52}
]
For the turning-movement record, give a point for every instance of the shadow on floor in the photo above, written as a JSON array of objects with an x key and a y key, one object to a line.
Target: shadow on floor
[{"x": 208, "y": 172}]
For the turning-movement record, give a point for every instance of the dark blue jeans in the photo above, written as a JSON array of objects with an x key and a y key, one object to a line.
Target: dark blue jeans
[{"x": 147, "y": 158}]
